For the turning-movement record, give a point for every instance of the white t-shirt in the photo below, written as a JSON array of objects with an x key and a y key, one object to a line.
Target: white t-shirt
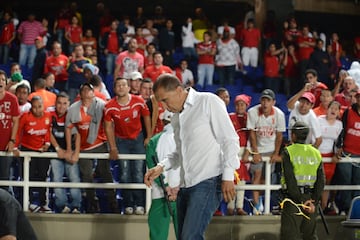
[
  {"x": 329, "y": 134},
  {"x": 310, "y": 118},
  {"x": 266, "y": 127}
]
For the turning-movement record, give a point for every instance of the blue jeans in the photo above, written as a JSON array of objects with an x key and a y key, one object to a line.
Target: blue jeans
[
  {"x": 110, "y": 63},
  {"x": 27, "y": 55},
  {"x": 196, "y": 206},
  {"x": 4, "y": 53},
  {"x": 132, "y": 171},
  {"x": 5, "y": 164},
  {"x": 58, "y": 168},
  {"x": 347, "y": 174},
  {"x": 226, "y": 75},
  {"x": 205, "y": 72}
]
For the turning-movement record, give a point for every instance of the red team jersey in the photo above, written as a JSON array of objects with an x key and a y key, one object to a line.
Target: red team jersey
[
  {"x": 83, "y": 129},
  {"x": 126, "y": 118},
  {"x": 33, "y": 131},
  {"x": 9, "y": 108},
  {"x": 58, "y": 66},
  {"x": 74, "y": 33},
  {"x": 154, "y": 72},
  {"x": 206, "y": 58}
]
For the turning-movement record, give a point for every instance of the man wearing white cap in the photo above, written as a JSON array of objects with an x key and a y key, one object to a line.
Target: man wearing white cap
[{"x": 135, "y": 81}]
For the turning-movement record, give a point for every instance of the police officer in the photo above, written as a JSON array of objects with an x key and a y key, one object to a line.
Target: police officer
[{"x": 302, "y": 182}]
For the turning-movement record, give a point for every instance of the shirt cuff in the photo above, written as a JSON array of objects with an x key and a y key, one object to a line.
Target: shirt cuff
[{"x": 228, "y": 174}]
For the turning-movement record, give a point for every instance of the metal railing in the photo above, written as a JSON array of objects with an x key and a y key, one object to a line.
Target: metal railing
[{"x": 267, "y": 187}]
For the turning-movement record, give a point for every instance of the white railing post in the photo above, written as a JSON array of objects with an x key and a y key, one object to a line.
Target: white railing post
[
  {"x": 267, "y": 186},
  {"x": 26, "y": 180}
]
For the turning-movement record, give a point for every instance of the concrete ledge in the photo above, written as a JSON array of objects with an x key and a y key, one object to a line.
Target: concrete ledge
[{"x": 115, "y": 226}]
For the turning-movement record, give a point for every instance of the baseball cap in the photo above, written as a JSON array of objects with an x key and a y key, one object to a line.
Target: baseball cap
[
  {"x": 167, "y": 115},
  {"x": 135, "y": 75},
  {"x": 39, "y": 38},
  {"x": 268, "y": 93},
  {"x": 86, "y": 84},
  {"x": 243, "y": 97},
  {"x": 90, "y": 67},
  {"x": 226, "y": 29},
  {"x": 308, "y": 96}
]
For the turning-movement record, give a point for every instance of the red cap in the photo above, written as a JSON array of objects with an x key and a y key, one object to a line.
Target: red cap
[
  {"x": 309, "y": 96},
  {"x": 39, "y": 38},
  {"x": 243, "y": 97}
]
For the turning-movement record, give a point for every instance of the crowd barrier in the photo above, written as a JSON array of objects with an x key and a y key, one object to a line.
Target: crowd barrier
[{"x": 26, "y": 183}]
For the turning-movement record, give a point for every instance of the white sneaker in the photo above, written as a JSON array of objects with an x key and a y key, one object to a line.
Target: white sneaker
[
  {"x": 139, "y": 211},
  {"x": 34, "y": 208},
  {"x": 129, "y": 211},
  {"x": 66, "y": 209},
  {"x": 45, "y": 209},
  {"x": 76, "y": 211}
]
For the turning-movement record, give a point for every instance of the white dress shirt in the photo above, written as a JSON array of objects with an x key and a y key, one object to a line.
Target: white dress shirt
[{"x": 206, "y": 142}]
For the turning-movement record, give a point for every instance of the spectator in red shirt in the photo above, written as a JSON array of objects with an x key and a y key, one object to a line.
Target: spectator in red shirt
[
  {"x": 336, "y": 48},
  {"x": 291, "y": 32},
  {"x": 306, "y": 47},
  {"x": 344, "y": 97},
  {"x": 272, "y": 66},
  {"x": 122, "y": 116},
  {"x": 112, "y": 43},
  {"x": 206, "y": 51},
  {"x": 34, "y": 135},
  {"x": 57, "y": 64},
  {"x": 316, "y": 86},
  {"x": 9, "y": 118},
  {"x": 142, "y": 42},
  {"x": 154, "y": 71},
  {"x": 85, "y": 118},
  {"x": 74, "y": 33},
  {"x": 290, "y": 62},
  {"x": 61, "y": 22},
  {"x": 48, "y": 98},
  {"x": 250, "y": 42},
  {"x": 89, "y": 39},
  {"x": 150, "y": 50},
  {"x": 7, "y": 35}
]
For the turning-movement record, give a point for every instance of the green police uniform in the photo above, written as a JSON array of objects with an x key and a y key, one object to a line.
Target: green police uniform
[{"x": 302, "y": 179}]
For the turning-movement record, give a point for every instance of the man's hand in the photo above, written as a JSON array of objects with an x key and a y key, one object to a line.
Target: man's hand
[
  {"x": 310, "y": 206},
  {"x": 275, "y": 158},
  {"x": 228, "y": 190},
  {"x": 256, "y": 158},
  {"x": 152, "y": 174},
  {"x": 113, "y": 154}
]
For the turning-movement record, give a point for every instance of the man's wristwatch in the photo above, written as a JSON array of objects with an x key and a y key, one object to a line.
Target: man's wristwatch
[{"x": 12, "y": 140}]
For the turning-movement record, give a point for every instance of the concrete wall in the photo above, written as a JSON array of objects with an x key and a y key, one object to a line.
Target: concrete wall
[{"x": 115, "y": 227}]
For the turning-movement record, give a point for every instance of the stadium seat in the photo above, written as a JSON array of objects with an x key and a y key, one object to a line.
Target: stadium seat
[{"x": 353, "y": 218}]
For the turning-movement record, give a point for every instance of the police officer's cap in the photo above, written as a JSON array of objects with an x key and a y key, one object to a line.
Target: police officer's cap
[{"x": 301, "y": 130}]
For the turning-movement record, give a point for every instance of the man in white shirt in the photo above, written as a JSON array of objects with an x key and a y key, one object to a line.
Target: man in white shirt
[
  {"x": 266, "y": 124},
  {"x": 207, "y": 148},
  {"x": 301, "y": 105}
]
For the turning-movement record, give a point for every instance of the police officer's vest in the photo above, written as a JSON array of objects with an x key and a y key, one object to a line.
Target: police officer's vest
[{"x": 305, "y": 160}]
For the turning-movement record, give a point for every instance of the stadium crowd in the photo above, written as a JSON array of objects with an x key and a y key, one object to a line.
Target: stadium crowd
[{"x": 70, "y": 90}]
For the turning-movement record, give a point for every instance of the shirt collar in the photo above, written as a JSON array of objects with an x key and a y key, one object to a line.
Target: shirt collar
[{"x": 190, "y": 99}]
